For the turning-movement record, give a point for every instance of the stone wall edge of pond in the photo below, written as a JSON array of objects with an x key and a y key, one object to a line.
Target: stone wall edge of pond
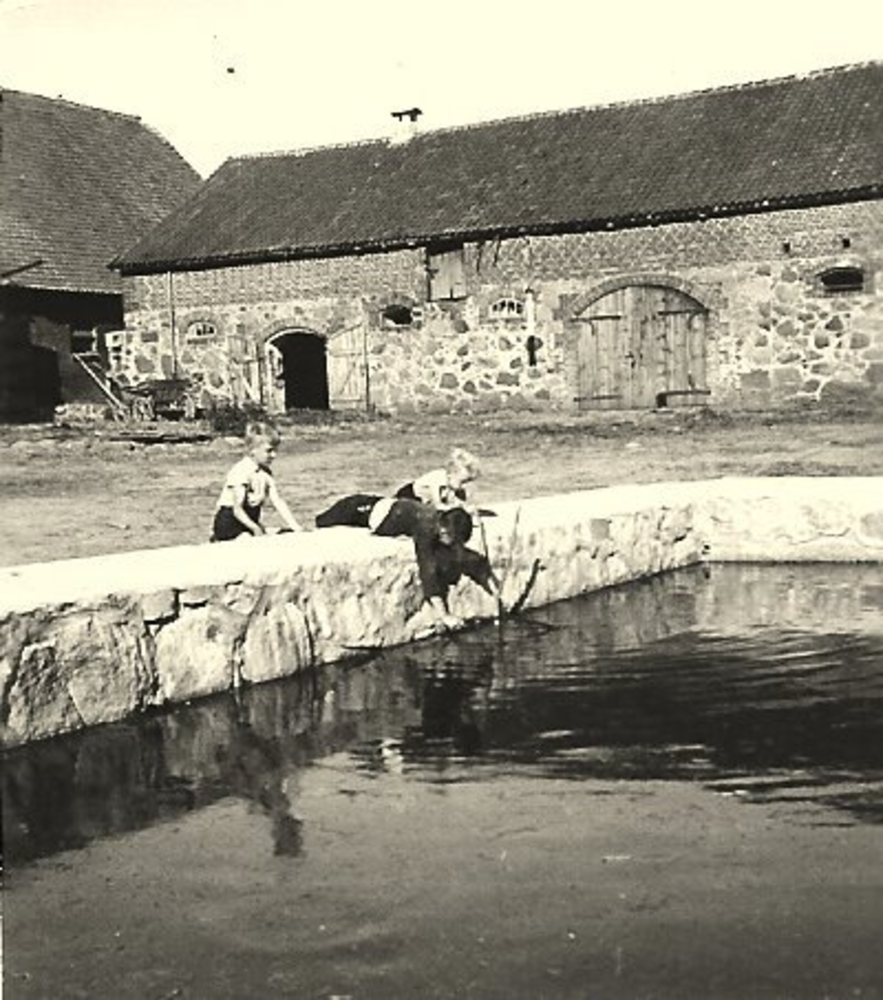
[{"x": 89, "y": 641}]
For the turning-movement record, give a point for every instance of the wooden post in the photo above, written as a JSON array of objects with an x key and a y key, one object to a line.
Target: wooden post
[
  {"x": 367, "y": 369},
  {"x": 174, "y": 338}
]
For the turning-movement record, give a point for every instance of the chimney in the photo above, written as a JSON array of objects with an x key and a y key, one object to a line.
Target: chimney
[{"x": 405, "y": 127}]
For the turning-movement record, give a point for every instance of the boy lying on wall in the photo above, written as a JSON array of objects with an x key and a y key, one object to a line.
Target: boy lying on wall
[{"x": 439, "y": 537}]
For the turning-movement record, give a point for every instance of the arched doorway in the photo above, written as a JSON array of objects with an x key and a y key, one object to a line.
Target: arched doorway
[
  {"x": 299, "y": 369},
  {"x": 641, "y": 346}
]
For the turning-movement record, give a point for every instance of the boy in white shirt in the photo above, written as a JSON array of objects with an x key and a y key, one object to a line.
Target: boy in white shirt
[
  {"x": 444, "y": 488},
  {"x": 248, "y": 486}
]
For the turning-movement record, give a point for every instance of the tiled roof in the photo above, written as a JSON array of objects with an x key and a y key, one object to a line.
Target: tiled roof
[
  {"x": 77, "y": 186},
  {"x": 791, "y": 141}
]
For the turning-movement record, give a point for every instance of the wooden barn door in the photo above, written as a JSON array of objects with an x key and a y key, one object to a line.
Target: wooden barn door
[
  {"x": 683, "y": 332},
  {"x": 601, "y": 349},
  {"x": 637, "y": 345},
  {"x": 347, "y": 370},
  {"x": 243, "y": 369}
]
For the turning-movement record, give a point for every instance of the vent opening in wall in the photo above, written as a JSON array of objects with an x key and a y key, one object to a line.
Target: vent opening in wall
[
  {"x": 837, "y": 280},
  {"x": 507, "y": 308},
  {"x": 201, "y": 330},
  {"x": 398, "y": 314},
  {"x": 533, "y": 344}
]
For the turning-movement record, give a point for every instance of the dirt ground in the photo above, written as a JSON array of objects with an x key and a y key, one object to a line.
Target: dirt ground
[{"x": 79, "y": 491}]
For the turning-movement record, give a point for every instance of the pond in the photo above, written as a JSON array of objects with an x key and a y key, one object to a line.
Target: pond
[{"x": 668, "y": 789}]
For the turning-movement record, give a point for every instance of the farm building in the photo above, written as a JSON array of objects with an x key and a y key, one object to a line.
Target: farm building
[
  {"x": 722, "y": 246},
  {"x": 77, "y": 186}
]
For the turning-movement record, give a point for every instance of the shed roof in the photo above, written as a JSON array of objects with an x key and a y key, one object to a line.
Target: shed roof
[
  {"x": 77, "y": 186},
  {"x": 791, "y": 141}
]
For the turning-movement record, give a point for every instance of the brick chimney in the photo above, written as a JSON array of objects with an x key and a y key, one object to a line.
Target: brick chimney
[{"x": 405, "y": 127}]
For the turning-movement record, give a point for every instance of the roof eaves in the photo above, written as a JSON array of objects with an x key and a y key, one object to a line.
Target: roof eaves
[
  {"x": 605, "y": 223},
  {"x": 66, "y": 287}
]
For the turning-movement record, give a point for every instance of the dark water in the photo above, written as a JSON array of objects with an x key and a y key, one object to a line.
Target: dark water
[{"x": 673, "y": 788}]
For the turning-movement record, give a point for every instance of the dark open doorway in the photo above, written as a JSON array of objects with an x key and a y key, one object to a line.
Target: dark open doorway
[{"x": 304, "y": 370}]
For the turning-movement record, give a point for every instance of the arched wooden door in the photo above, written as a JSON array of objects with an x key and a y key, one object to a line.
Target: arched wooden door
[{"x": 639, "y": 347}]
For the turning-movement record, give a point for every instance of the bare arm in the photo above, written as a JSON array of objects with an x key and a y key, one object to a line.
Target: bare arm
[
  {"x": 283, "y": 510},
  {"x": 239, "y": 512}
]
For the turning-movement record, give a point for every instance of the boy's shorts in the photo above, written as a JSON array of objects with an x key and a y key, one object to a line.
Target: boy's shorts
[{"x": 226, "y": 526}]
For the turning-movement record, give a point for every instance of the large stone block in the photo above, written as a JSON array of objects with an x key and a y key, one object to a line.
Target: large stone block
[
  {"x": 199, "y": 652},
  {"x": 276, "y": 643},
  {"x": 84, "y": 667}
]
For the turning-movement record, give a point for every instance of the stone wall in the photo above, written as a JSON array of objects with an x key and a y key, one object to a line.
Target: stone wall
[
  {"x": 87, "y": 641},
  {"x": 774, "y": 333}
]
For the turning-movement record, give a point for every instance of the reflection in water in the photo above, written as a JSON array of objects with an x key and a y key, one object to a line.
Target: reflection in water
[
  {"x": 252, "y": 767},
  {"x": 765, "y": 683}
]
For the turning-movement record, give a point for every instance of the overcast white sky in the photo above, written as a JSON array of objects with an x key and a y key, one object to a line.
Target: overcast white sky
[{"x": 220, "y": 78}]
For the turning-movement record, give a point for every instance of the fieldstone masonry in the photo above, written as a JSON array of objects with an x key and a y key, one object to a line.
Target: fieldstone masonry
[
  {"x": 774, "y": 332},
  {"x": 87, "y": 641}
]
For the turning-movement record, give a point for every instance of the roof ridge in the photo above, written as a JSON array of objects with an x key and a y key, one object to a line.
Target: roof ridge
[
  {"x": 561, "y": 112},
  {"x": 661, "y": 98},
  {"x": 69, "y": 103},
  {"x": 304, "y": 150}
]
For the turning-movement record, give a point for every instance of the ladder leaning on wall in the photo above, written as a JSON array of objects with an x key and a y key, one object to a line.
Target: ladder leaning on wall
[{"x": 92, "y": 364}]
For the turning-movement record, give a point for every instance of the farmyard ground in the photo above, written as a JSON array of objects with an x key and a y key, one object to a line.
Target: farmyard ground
[{"x": 81, "y": 491}]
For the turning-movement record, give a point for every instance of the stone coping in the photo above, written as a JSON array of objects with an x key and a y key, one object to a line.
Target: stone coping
[
  {"x": 263, "y": 560},
  {"x": 86, "y": 641},
  {"x": 766, "y": 519}
]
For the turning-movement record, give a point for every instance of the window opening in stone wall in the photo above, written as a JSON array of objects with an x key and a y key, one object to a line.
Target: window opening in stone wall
[
  {"x": 83, "y": 341},
  {"x": 446, "y": 272},
  {"x": 398, "y": 314},
  {"x": 201, "y": 330},
  {"x": 845, "y": 242},
  {"x": 115, "y": 344},
  {"x": 507, "y": 308},
  {"x": 839, "y": 280}
]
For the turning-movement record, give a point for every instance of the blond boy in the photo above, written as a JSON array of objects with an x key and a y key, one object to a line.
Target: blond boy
[{"x": 248, "y": 486}]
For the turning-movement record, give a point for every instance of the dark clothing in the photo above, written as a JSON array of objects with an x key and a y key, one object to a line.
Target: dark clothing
[
  {"x": 227, "y": 526},
  {"x": 411, "y": 518},
  {"x": 406, "y": 492},
  {"x": 353, "y": 511},
  {"x": 440, "y": 565}
]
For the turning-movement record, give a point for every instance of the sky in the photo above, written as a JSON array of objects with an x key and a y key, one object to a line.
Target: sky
[{"x": 222, "y": 78}]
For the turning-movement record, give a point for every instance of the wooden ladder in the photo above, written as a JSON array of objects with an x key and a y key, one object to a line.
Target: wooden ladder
[{"x": 93, "y": 366}]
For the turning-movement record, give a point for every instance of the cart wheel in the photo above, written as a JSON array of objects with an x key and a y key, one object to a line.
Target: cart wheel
[{"x": 142, "y": 409}]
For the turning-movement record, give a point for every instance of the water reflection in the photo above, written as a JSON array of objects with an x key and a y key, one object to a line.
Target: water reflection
[
  {"x": 762, "y": 683},
  {"x": 253, "y": 767}
]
